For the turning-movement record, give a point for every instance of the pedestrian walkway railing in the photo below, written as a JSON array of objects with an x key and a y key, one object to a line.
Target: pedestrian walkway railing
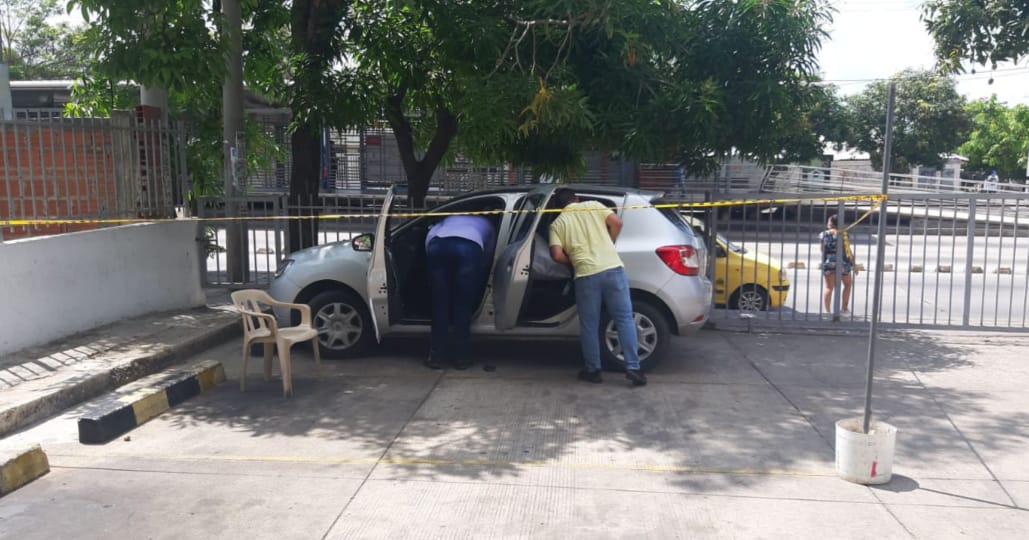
[
  {"x": 806, "y": 179},
  {"x": 951, "y": 260}
]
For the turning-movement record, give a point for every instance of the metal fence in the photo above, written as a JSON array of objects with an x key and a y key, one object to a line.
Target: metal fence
[
  {"x": 952, "y": 260},
  {"x": 956, "y": 256},
  {"x": 368, "y": 161},
  {"x": 263, "y": 227},
  {"x": 127, "y": 166},
  {"x": 957, "y": 260}
]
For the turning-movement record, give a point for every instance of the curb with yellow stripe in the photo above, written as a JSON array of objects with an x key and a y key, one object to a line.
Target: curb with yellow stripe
[
  {"x": 134, "y": 404},
  {"x": 27, "y": 464}
]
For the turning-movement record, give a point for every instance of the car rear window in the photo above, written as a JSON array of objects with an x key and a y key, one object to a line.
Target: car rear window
[{"x": 673, "y": 215}]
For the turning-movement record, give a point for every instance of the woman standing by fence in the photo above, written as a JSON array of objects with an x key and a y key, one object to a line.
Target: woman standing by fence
[{"x": 831, "y": 248}]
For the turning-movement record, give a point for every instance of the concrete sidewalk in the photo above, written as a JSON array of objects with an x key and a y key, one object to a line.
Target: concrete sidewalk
[
  {"x": 38, "y": 382},
  {"x": 733, "y": 437}
]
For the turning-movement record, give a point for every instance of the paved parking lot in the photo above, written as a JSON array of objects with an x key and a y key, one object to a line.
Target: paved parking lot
[{"x": 733, "y": 437}]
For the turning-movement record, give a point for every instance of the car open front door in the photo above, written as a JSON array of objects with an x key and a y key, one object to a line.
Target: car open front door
[
  {"x": 511, "y": 275},
  {"x": 383, "y": 298}
]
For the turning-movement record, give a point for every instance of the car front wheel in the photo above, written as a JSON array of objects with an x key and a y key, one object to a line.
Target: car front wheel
[
  {"x": 343, "y": 323},
  {"x": 652, "y": 334},
  {"x": 750, "y": 298}
]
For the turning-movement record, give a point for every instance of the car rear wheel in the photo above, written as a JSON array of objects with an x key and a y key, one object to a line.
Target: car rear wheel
[
  {"x": 343, "y": 323},
  {"x": 652, "y": 334},
  {"x": 749, "y": 298}
]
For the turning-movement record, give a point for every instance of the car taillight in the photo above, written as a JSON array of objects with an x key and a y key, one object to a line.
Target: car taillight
[{"x": 681, "y": 259}]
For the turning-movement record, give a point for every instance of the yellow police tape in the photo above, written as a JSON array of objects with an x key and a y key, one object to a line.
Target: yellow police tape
[{"x": 877, "y": 198}]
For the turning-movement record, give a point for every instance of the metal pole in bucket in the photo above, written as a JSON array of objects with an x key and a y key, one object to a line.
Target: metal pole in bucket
[{"x": 880, "y": 256}]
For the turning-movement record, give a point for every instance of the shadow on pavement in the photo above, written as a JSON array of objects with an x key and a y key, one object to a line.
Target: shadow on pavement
[{"x": 723, "y": 410}]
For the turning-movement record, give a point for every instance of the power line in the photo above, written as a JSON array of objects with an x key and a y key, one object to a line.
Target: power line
[{"x": 960, "y": 77}]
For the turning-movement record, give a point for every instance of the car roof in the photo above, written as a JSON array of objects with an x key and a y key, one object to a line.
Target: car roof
[{"x": 590, "y": 188}]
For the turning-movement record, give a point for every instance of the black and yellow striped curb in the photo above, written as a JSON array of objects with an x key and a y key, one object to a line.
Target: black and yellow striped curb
[
  {"x": 134, "y": 404},
  {"x": 26, "y": 464},
  {"x": 138, "y": 359}
]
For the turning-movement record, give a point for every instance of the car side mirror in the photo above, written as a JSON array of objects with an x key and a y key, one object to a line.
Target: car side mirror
[{"x": 363, "y": 242}]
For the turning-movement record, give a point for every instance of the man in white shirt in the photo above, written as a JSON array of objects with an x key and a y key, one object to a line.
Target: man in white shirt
[{"x": 460, "y": 253}]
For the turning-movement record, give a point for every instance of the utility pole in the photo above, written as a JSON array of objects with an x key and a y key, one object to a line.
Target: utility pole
[{"x": 236, "y": 250}]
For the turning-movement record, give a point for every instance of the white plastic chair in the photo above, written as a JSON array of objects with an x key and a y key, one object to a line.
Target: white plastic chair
[{"x": 261, "y": 327}]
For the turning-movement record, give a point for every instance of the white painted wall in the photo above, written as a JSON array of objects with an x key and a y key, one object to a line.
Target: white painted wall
[{"x": 54, "y": 286}]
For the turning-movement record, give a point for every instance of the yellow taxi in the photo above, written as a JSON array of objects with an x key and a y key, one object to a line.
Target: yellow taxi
[{"x": 743, "y": 280}]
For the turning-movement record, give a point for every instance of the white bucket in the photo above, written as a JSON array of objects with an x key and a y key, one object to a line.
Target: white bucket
[{"x": 865, "y": 458}]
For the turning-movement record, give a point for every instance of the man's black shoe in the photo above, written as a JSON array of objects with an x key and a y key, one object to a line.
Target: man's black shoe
[
  {"x": 636, "y": 376},
  {"x": 462, "y": 364},
  {"x": 591, "y": 375},
  {"x": 432, "y": 363}
]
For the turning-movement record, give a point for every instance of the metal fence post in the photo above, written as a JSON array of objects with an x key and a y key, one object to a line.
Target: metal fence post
[
  {"x": 970, "y": 225},
  {"x": 201, "y": 239},
  {"x": 841, "y": 227},
  {"x": 873, "y": 327}
]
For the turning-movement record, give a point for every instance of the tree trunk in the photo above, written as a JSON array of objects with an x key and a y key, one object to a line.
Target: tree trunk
[
  {"x": 313, "y": 31},
  {"x": 419, "y": 171},
  {"x": 303, "y": 187}
]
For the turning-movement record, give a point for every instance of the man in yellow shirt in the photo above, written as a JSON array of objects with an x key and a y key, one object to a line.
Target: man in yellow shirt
[{"x": 584, "y": 236}]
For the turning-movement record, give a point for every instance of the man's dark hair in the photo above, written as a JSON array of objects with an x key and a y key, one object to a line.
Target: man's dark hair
[{"x": 563, "y": 197}]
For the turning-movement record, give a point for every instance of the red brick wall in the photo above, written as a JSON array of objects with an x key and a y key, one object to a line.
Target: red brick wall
[{"x": 53, "y": 171}]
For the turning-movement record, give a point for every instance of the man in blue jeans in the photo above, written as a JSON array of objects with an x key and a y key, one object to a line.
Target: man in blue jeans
[
  {"x": 460, "y": 253},
  {"x": 584, "y": 235}
]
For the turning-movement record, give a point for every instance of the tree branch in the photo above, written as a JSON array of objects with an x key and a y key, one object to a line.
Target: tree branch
[
  {"x": 402, "y": 130},
  {"x": 446, "y": 130},
  {"x": 557, "y": 57}
]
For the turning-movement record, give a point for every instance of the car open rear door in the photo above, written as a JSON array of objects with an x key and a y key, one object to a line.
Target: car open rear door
[
  {"x": 383, "y": 297},
  {"x": 511, "y": 274}
]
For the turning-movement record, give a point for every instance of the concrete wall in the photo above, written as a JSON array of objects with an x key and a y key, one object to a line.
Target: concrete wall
[{"x": 54, "y": 286}]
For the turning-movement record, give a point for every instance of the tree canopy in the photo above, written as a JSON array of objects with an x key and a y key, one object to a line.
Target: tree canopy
[
  {"x": 998, "y": 138},
  {"x": 983, "y": 32},
  {"x": 528, "y": 82},
  {"x": 36, "y": 47},
  {"x": 539, "y": 83},
  {"x": 930, "y": 120}
]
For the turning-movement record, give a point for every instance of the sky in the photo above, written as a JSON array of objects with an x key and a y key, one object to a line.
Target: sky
[{"x": 874, "y": 39}]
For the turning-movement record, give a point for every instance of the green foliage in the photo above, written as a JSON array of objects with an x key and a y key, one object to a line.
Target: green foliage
[
  {"x": 983, "y": 32},
  {"x": 998, "y": 140},
  {"x": 930, "y": 120},
  {"x": 533, "y": 82},
  {"x": 98, "y": 97},
  {"x": 167, "y": 44},
  {"x": 210, "y": 243},
  {"x": 35, "y": 47},
  {"x": 540, "y": 82},
  {"x": 174, "y": 45}
]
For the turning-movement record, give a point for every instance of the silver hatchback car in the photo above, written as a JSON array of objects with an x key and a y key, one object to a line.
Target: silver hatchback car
[{"x": 378, "y": 284}]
